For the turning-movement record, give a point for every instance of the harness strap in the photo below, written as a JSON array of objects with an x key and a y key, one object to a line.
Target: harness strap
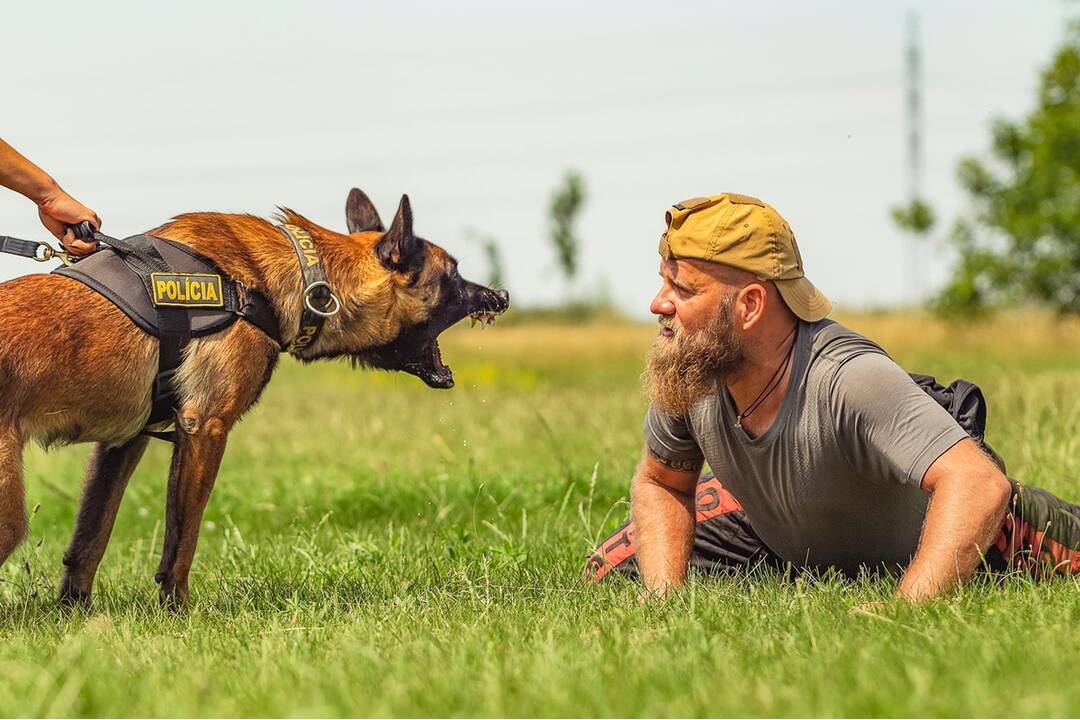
[
  {"x": 319, "y": 299},
  {"x": 257, "y": 310},
  {"x": 174, "y": 323}
]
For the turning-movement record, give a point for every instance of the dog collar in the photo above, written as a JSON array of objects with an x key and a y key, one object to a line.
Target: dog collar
[{"x": 319, "y": 299}]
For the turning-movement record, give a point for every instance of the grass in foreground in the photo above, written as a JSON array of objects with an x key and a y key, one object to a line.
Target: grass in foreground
[{"x": 376, "y": 548}]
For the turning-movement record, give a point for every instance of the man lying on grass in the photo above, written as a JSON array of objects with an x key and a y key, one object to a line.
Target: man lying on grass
[{"x": 826, "y": 454}]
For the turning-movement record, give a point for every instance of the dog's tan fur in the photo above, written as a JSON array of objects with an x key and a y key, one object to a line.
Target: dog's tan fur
[{"x": 74, "y": 368}]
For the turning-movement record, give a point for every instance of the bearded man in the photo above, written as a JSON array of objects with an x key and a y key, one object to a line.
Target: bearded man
[{"x": 826, "y": 454}]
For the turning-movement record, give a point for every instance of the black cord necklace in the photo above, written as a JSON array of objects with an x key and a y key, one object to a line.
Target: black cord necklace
[{"x": 774, "y": 382}]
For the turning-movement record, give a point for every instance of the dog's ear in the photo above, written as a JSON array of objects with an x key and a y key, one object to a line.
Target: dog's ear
[
  {"x": 360, "y": 213},
  {"x": 397, "y": 244}
]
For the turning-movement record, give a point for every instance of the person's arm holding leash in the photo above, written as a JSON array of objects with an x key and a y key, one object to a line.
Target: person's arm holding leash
[
  {"x": 968, "y": 499},
  {"x": 56, "y": 208},
  {"x": 662, "y": 505}
]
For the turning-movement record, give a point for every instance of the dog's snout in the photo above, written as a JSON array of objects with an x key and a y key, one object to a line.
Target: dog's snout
[{"x": 484, "y": 299}]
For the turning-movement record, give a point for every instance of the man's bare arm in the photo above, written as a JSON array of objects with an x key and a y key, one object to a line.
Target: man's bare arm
[
  {"x": 24, "y": 177},
  {"x": 663, "y": 511},
  {"x": 968, "y": 500},
  {"x": 56, "y": 208}
]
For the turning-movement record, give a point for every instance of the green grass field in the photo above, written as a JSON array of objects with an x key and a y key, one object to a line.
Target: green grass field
[{"x": 377, "y": 548}]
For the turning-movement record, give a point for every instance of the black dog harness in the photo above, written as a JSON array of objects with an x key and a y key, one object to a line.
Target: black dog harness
[{"x": 172, "y": 294}]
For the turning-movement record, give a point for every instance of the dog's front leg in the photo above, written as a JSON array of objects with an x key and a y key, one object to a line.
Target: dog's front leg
[
  {"x": 200, "y": 443},
  {"x": 107, "y": 475}
]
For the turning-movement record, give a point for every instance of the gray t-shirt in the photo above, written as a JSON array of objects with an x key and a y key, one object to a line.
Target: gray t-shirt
[{"x": 835, "y": 480}]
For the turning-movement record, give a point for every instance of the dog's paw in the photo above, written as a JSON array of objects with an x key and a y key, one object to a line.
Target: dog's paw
[
  {"x": 73, "y": 597},
  {"x": 173, "y": 596}
]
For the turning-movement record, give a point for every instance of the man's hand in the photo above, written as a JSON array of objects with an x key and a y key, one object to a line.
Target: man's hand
[
  {"x": 662, "y": 507},
  {"x": 968, "y": 500},
  {"x": 57, "y": 211}
]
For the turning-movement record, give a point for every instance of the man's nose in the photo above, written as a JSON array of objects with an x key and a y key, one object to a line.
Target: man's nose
[{"x": 661, "y": 305}]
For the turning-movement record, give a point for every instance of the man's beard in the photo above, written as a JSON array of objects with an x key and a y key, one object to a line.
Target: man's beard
[{"x": 682, "y": 369}]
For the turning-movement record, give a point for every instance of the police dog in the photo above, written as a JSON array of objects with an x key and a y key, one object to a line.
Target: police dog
[{"x": 74, "y": 368}]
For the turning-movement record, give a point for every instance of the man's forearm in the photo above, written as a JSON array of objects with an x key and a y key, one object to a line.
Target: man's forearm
[
  {"x": 23, "y": 176},
  {"x": 961, "y": 522},
  {"x": 664, "y": 528}
]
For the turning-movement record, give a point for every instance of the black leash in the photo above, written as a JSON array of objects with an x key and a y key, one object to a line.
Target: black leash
[
  {"x": 42, "y": 251},
  {"x": 33, "y": 249}
]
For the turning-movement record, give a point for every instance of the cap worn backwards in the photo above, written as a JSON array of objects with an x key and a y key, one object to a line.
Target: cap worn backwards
[{"x": 745, "y": 233}]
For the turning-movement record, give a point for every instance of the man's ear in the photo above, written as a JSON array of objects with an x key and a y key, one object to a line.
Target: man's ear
[
  {"x": 360, "y": 213},
  {"x": 751, "y": 303},
  {"x": 397, "y": 244}
]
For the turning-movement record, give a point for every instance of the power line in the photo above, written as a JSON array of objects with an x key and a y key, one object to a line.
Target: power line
[{"x": 913, "y": 95}]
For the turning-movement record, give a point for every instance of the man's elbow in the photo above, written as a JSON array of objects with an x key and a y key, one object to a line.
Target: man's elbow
[
  {"x": 644, "y": 479},
  {"x": 656, "y": 473},
  {"x": 1000, "y": 492},
  {"x": 989, "y": 495},
  {"x": 965, "y": 474}
]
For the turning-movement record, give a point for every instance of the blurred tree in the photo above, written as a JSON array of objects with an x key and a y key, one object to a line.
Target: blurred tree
[
  {"x": 917, "y": 217},
  {"x": 490, "y": 247},
  {"x": 1023, "y": 241},
  {"x": 566, "y": 203},
  {"x": 495, "y": 263}
]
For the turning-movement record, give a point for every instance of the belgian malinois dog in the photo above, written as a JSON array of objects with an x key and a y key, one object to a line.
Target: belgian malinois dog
[{"x": 74, "y": 368}]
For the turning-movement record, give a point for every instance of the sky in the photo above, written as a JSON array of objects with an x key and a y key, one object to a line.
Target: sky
[{"x": 144, "y": 110}]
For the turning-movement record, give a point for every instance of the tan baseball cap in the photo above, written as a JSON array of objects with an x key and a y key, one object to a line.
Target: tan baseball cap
[{"x": 748, "y": 234}]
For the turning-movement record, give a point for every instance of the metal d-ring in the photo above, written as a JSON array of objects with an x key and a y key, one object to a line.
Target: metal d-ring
[
  {"x": 44, "y": 252},
  {"x": 333, "y": 299}
]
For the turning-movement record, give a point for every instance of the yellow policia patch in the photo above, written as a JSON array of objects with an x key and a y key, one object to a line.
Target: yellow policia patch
[{"x": 187, "y": 290}]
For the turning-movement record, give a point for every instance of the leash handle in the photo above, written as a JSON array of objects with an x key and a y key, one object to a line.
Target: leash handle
[{"x": 83, "y": 231}]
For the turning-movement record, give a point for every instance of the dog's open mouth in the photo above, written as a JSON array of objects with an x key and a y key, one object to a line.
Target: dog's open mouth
[
  {"x": 418, "y": 352},
  {"x": 431, "y": 368}
]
